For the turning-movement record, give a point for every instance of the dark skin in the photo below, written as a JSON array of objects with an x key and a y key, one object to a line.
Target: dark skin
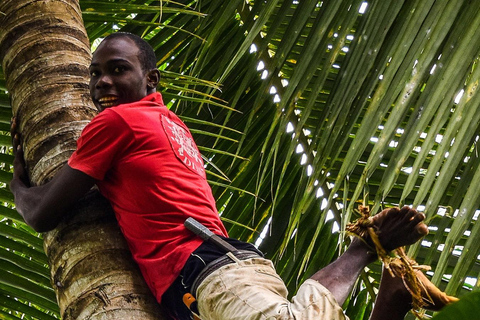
[
  {"x": 117, "y": 77},
  {"x": 395, "y": 228}
]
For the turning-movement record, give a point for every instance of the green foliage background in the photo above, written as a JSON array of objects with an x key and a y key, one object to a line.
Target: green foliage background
[{"x": 303, "y": 110}]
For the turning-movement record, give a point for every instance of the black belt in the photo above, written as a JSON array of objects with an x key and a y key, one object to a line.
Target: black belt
[{"x": 220, "y": 262}]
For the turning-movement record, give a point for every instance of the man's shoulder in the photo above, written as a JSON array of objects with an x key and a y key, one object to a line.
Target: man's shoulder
[
  {"x": 132, "y": 113},
  {"x": 106, "y": 116},
  {"x": 107, "y": 121}
]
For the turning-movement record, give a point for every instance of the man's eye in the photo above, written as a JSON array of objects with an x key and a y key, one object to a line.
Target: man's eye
[
  {"x": 93, "y": 73},
  {"x": 118, "y": 69}
]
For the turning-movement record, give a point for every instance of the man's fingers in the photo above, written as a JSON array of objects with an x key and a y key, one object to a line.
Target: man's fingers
[
  {"x": 19, "y": 150},
  {"x": 422, "y": 229},
  {"x": 418, "y": 225},
  {"x": 405, "y": 209},
  {"x": 416, "y": 222},
  {"x": 14, "y": 133},
  {"x": 16, "y": 144},
  {"x": 13, "y": 122},
  {"x": 409, "y": 213},
  {"x": 18, "y": 161},
  {"x": 418, "y": 217},
  {"x": 13, "y": 127},
  {"x": 19, "y": 167},
  {"x": 398, "y": 227}
]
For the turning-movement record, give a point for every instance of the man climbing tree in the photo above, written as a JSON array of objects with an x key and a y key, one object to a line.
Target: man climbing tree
[{"x": 144, "y": 161}]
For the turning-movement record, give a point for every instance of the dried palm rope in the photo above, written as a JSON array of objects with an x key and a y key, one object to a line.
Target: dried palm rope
[{"x": 396, "y": 262}]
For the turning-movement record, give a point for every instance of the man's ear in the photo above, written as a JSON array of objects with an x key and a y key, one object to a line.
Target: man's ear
[{"x": 153, "y": 78}]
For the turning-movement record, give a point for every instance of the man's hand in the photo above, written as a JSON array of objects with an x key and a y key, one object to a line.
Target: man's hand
[
  {"x": 43, "y": 206},
  {"x": 20, "y": 173},
  {"x": 399, "y": 227},
  {"x": 395, "y": 228}
]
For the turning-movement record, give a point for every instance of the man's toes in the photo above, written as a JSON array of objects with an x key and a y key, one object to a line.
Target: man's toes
[{"x": 433, "y": 296}]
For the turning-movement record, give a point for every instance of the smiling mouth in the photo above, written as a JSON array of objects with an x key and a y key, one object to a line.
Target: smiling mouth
[{"x": 107, "y": 102}]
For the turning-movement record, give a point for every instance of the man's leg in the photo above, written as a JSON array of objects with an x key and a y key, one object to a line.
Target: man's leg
[
  {"x": 220, "y": 298},
  {"x": 394, "y": 301},
  {"x": 394, "y": 227}
]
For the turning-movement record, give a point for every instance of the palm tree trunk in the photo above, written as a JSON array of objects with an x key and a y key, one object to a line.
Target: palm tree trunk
[{"x": 45, "y": 54}]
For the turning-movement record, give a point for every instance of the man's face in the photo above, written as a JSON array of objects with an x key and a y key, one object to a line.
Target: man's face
[{"x": 116, "y": 75}]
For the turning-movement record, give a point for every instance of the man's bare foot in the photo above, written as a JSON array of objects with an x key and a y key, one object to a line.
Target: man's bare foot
[
  {"x": 393, "y": 289},
  {"x": 436, "y": 299},
  {"x": 399, "y": 227}
]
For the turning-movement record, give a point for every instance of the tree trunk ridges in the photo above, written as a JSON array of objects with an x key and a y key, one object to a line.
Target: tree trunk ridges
[
  {"x": 45, "y": 56},
  {"x": 93, "y": 272}
]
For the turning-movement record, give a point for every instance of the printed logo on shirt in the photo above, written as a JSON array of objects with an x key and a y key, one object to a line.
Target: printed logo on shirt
[{"x": 183, "y": 146}]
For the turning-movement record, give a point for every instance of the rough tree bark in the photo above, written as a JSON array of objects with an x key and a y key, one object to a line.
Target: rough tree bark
[{"x": 45, "y": 54}]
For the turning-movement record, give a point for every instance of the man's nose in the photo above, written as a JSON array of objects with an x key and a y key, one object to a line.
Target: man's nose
[{"x": 104, "y": 81}]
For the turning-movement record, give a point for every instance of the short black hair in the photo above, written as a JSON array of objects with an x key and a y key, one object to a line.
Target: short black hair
[{"x": 146, "y": 56}]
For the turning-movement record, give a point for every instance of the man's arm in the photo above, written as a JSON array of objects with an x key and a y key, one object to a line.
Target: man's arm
[
  {"x": 43, "y": 206},
  {"x": 395, "y": 228}
]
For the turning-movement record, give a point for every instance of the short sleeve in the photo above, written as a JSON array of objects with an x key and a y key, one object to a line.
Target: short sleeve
[{"x": 101, "y": 143}]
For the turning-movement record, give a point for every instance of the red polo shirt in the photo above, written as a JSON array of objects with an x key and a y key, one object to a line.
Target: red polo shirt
[{"x": 148, "y": 166}]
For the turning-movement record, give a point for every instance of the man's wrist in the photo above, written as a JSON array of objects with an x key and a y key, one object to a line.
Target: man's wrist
[
  {"x": 363, "y": 249},
  {"x": 16, "y": 183}
]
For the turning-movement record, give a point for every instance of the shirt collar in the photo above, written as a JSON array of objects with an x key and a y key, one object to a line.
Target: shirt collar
[{"x": 154, "y": 97}]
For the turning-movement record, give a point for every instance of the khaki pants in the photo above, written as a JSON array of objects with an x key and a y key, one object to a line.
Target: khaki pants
[{"x": 251, "y": 289}]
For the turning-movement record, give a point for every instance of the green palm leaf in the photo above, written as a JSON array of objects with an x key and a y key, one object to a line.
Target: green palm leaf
[{"x": 371, "y": 98}]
